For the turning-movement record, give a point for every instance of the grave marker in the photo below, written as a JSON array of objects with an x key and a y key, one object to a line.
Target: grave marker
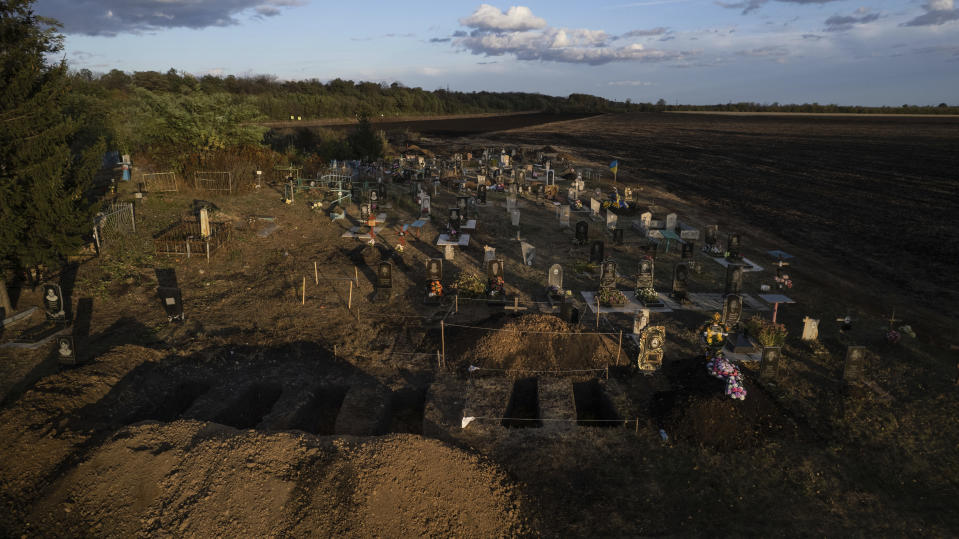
[
  {"x": 769, "y": 364},
  {"x": 810, "y": 330},
  {"x": 529, "y": 252},
  {"x": 594, "y": 206},
  {"x": 734, "y": 279},
  {"x": 644, "y": 278},
  {"x": 482, "y": 194},
  {"x": 671, "y": 221},
  {"x": 607, "y": 275},
  {"x": 554, "y": 278},
  {"x": 854, "y": 364},
  {"x": 651, "y": 342},
  {"x": 611, "y": 219},
  {"x": 582, "y": 232},
  {"x": 640, "y": 321},
  {"x": 53, "y": 302},
  {"x": 733, "y": 247},
  {"x": 564, "y": 215},
  {"x": 732, "y": 310},
  {"x": 489, "y": 253},
  {"x": 495, "y": 282},
  {"x": 434, "y": 280},
  {"x": 514, "y": 217},
  {"x": 66, "y": 350},
  {"x": 711, "y": 235},
  {"x": 618, "y": 235},
  {"x": 596, "y": 252},
  {"x": 172, "y": 300},
  {"x": 688, "y": 250},
  {"x": 384, "y": 282},
  {"x": 681, "y": 281}
]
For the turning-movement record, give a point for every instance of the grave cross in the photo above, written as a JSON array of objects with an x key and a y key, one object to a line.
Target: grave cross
[
  {"x": 892, "y": 319},
  {"x": 515, "y": 306}
]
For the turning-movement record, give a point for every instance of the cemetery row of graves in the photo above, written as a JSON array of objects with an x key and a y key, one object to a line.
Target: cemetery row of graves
[{"x": 436, "y": 239}]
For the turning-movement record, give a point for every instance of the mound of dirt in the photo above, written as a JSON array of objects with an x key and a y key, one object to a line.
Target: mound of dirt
[
  {"x": 536, "y": 342},
  {"x": 700, "y": 413},
  {"x": 203, "y": 479}
]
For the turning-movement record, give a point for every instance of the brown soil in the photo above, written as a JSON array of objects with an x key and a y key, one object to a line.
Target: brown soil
[{"x": 191, "y": 478}]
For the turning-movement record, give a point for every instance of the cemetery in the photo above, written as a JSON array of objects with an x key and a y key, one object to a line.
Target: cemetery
[{"x": 500, "y": 296}]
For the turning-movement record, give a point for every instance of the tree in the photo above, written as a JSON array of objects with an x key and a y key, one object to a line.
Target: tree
[
  {"x": 44, "y": 182},
  {"x": 364, "y": 141}
]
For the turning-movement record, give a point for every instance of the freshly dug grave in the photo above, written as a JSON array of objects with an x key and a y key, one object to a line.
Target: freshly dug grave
[
  {"x": 699, "y": 412},
  {"x": 537, "y": 342},
  {"x": 204, "y": 479}
]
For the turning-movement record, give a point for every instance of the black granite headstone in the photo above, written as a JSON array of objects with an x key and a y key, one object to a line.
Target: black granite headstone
[
  {"x": 582, "y": 232},
  {"x": 688, "y": 249},
  {"x": 596, "y": 252},
  {"x": 618, "y": 235},
  {"x": 384, "y": 281},
  {"x": 66, "y": 350},
  {"x": 53, "y": 302},
  {"x": 681, "y": 281},
  {"x": 172, "y": 300},
  {"x": 734, "y": 279},
  {"x": 645, "y": 276},
  {"x": 769, "y": 364},
  {"x": 732, "y": 310}
]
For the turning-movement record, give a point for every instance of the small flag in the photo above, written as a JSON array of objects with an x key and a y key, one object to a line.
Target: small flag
[{"x": 614, "y": 166}]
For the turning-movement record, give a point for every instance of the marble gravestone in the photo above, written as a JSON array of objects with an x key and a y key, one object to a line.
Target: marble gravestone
[
  {"x": 640, "y": 321},
  {"x": 53, "y": 302},
  {"x": 651, "y": 342},
  {"x": 564, "y": 215},
  {"x": 644, "y": 278},
  {"x": 734, "y": 279},
  {"x": 596, "y": 252},
  {"x": 681, "y": 281},
  {"x": 671, "y": 221},
  {"x": 384, "y": 282},
  {"x": 810, "y": 330},
  {"x": 732, "y": 310},
  {"x": 582, "y": 232},
  {"x": 554, "y": 279},
  {"x": 607, "y": 275},
  {"x": 434, "y": 272}
]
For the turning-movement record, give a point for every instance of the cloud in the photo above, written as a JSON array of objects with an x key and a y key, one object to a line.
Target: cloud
[
  {"x": 629, "y": 83},
  {"x": 752, "y": 5},
  {"x": 813, "y": 37},
  {"x": 770, "y": 51},
  {"x": 519, "y": 33},
  {"x": 937, "y": 12},
  {"x": 841, "y": 23},
  {"x": 113, "y": 17},
  {"x": 658, "y": 31},
  {"x": 440, "y": 40},
  {"x": 516, "y": 19}
]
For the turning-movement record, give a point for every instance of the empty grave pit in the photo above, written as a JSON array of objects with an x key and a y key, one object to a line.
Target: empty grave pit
[
  {"x": 406, "y": 408},
  {"x": 593, "y": 405},
  {"x": 171, "y": 404},
  {"x": 318, "y": 414},
  {"x": 522, "y": 412},
  {"x": 250, "y": 406}
]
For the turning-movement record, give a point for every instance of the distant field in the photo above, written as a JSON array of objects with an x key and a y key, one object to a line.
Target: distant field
[
  {"x": 447, "y": 126},
  {"x": 852, "y": 114}
]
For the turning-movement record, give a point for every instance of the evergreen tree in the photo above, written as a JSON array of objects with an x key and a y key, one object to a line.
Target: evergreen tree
[
  {"x": 44, "y": 182},
  {"x": 365, "y": 143}
]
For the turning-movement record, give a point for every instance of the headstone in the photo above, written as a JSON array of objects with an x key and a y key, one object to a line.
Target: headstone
[
  {"x": 618, "y": 235},
  {"x": 434, "y": 280},
  {"x": 384, "y": 281},
  {"x": 607, "y": 275},
  {"x": 172, "y": 300},
  {"x": 611, "y": 219},
  {"x": 810, "y": 330},
  {"x": 734, "y": 279},
  {"x": 434, "y": 269},
  {"x": 596, "y": 252},
  {"x": 463, "y": 204},
  {"x": 204, "y": 222},
  {"x": 510, "y": 203},
  {"x": 671, "y": 221},
  {"x": 514, "y": 217},
  {"x": 688, "y": 250},
  {"x": 640, "y": 321},
  {"x": 732, "y": 310},
  {"x": 769, "y": 364},
  {"x": 481, "y": 180},
  {"x": 489, "y": 253},
  {"x": 645, "y": 276},
  {"x": 854, "y": 364},
  {"x": 53, "y": 302},
  {"x": 651, "y": 342},
  {"x": 66, "y": 350},
  {"x": 582, "y": 232},
  {"x": 496, "y": 282},
  {"x": 594, "y": 206},
  {"x": 448, "y": 252},
  {"x": 425, "y": 205},
  {"x": 646, "y": 220},
  {"x": 681, "y": 281},
  {"x": 529, "y": 253},
  {"x": 364, "y": 211},
  {"x": 554, "y": 277},
  {"x": 564, "y": 215},
  {"x": 711, "y": 235},
  {"x": 733, "y": 247},
  {"x": 482, "y": 194}
]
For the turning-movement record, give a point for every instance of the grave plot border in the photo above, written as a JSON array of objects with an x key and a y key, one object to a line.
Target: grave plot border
[{"x": 184, "y": 239}]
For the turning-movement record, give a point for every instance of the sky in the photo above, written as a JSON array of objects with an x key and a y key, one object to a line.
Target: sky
[{"x": 849, "y": 52}]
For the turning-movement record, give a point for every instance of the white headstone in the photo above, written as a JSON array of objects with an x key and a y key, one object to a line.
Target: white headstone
[
  {"x": 529, "y": 252},
  {"x": 594, "y": 205},
  {"x": 510, "y": 203},
  {"x": 640, "y": 321},
  {"x": 611, "y": 219},
  {"x": 646, "y": 219},
  {"x": 555, "y": 276},
  {"x": 671, "y": 221},
  {"x": 480, "y": 179},
  {"x": 489, "y": 253},
  {"x": 514, "y": 217},
  {"x": 204, "y": 223},
  {"x": 425, "y": 205},
  {"x": 564, "y": 215},
  {"x": 810, "y": 330},
  {"x": 448, "y": 252}
]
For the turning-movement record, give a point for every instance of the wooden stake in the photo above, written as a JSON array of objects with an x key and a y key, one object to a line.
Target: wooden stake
[
  {"x": 443, "y": 338},
  {"x": 637, "y": 425},
  {"x": 597, "y": 311},
  {"x": 349, "y": 302},
  {"x": 456, "y": 303},
  {"x": 316, "y": 273},
  {"x": 618, "y": 350},
  {"x": 303, "y": 301},
  {"x": 356, "y": 276}
]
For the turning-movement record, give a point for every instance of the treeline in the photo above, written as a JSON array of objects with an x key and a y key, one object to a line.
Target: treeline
[
  {"x": 941, "y": 108},
  {"x": 338, "y": 98}
]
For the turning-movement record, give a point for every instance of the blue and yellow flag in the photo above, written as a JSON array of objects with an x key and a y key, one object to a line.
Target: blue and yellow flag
[{"x": 614, "y": 166}]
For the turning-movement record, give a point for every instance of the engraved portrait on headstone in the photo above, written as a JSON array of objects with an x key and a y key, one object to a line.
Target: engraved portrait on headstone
[
  {"x": 769, "y": 364},
  {"x": 732, "y": 310},
  {"x": 645, "y": 276},
  {"x": 596, "y": 252},
  {"x": 66, "y": 350},
  {"x": 607, "y": 275},
  {"x": 651, "y": 343},
  {"x": 53, "y": 301},
  {"x": 734, "y": 279}
]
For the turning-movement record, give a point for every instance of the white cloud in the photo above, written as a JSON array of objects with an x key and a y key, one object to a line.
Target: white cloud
[
  {"x": 515, "y": 19},
  {"x": 938, "y": 12},
  {"x": 629, "y": 83}
]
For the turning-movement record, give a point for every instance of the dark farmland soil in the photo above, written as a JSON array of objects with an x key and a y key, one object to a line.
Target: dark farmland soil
[{"x": 876, "y": 194}]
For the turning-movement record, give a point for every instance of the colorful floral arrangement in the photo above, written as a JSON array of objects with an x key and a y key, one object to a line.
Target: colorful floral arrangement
[
  {"x": 435, "y": 289},
  {"x": 400, "y": 248},
  {"x": 766, "y": 332},
  {"x": 647, "y": 295},
  {"x": 714, "y": 334},
  {"x": 468, "y": 285},
  {"x": 721, "y": 368},
  {"x": 495, "y": 287},
  {"x": 578, "y": 204},
  {"x": 893, "y": 336},
  {"x": 554, "y": 291},
  {"x": 784, "y": 282},
  {"x": 612, "y": 297},
  {"x": 317, "y": 205},
  {"x": 372, "y": 241}
]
